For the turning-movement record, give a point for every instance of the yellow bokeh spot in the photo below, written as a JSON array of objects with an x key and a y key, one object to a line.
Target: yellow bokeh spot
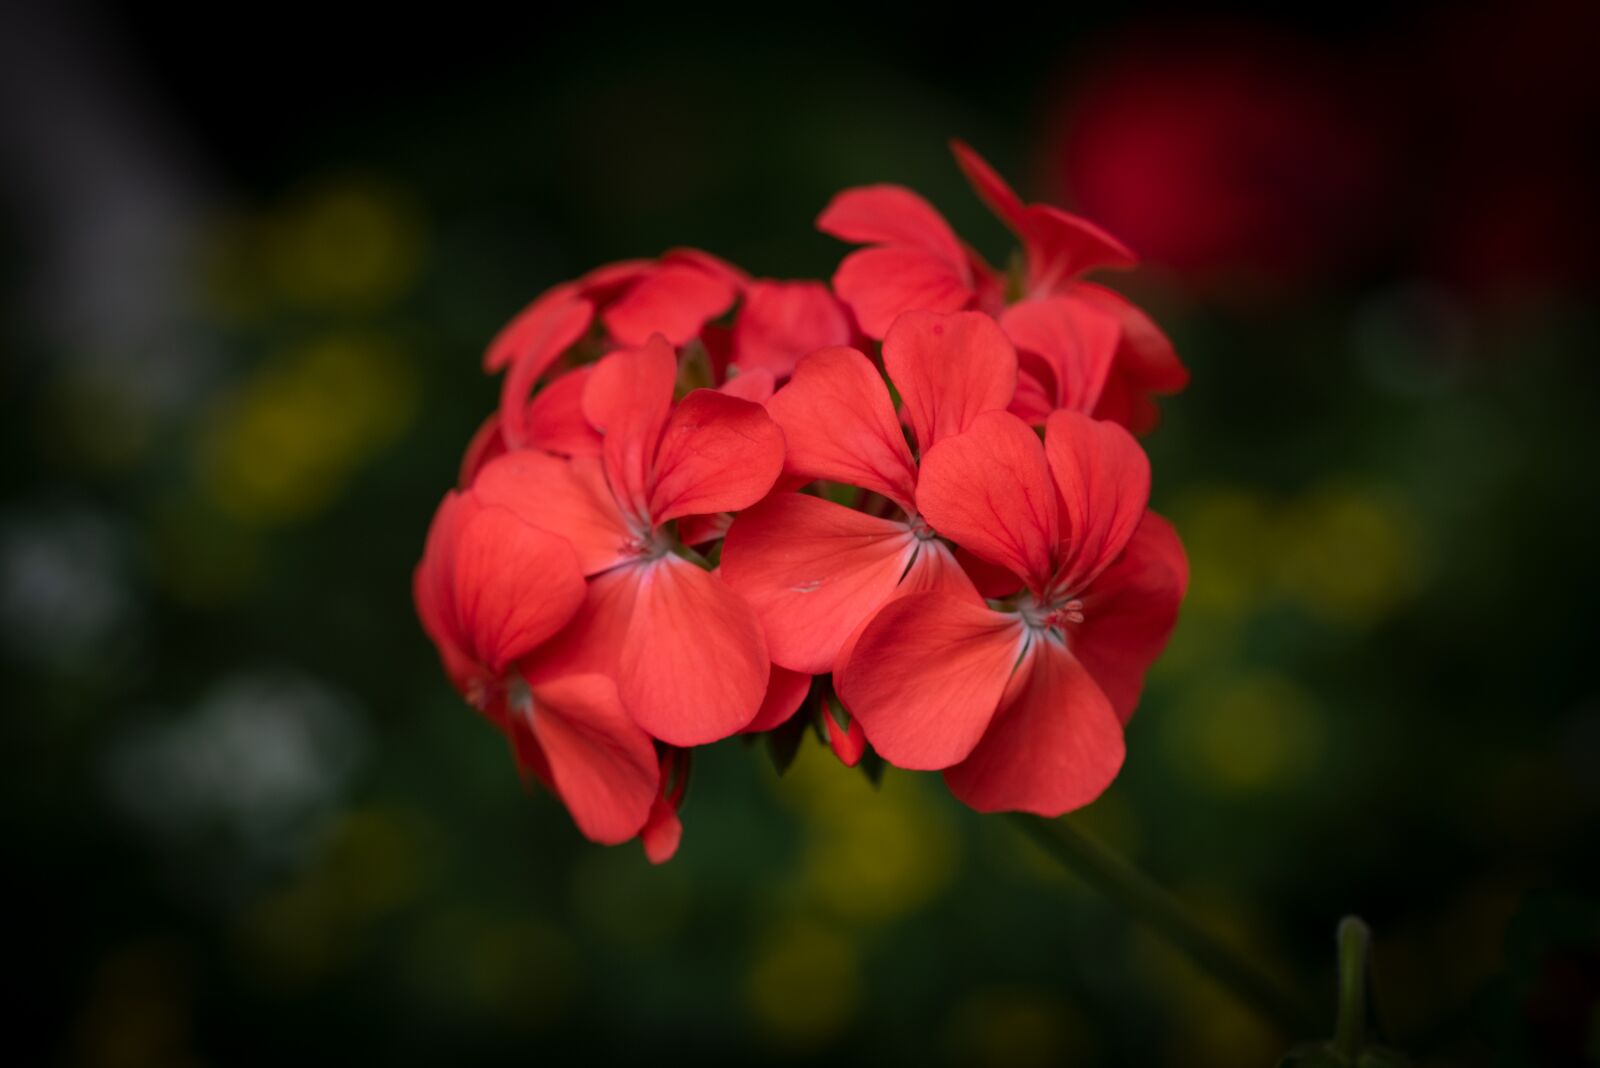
[
  {"x": 804, "y": 985},
  {"x": 869, "y": 854},
  {"x": 1349, "y": 555},
  {"x": 1245, "y": 735},
  {"x": 346, "y": 242},
  {"x": 281, "y": 446},
  {"x": 1231, "y": 539}
]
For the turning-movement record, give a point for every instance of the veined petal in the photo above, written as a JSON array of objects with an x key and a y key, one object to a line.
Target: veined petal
[
  {"x": 989, "y": 491},
  {"x": 890, "y": 215},
  {"x": 881, "y": 283},
  {"x": 566, "y": 497},
  {"x": 927, "y": 675},
  {"x": 600, "y": 763},
  {"x": 949, "y": 369},
  {"x": 675, "y": 300},
  {"x": 786, "y": 692},
  {"x": 1075, "y": 337},
  {"x": 627, "y": 399},
  {"x": 1060, "y": 246},
  {"x": 1103, "y": 477},
  {"x": 1130, "y": 610},
  {"x": 1054, "y": 746},
  {"x": 933, "y": 570},
  {"x": 515, "y": 585},
  {"x": 693, "y": 668},
  {"x": 813, "y": 571},
  {"x": 839, "y": 425},
  {"x": 556, "y": 422},
  {"x": 592, "y": 642},
  {"x": 783, "y": 321},
  {"x": 717, "y": 454}
]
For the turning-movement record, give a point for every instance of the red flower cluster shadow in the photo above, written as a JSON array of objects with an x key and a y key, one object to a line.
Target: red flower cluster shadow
[{"x": 908, "y": 507}]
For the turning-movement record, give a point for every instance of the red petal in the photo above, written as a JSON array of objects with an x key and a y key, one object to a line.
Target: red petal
[
  {"x": 989, "y": 579},
  {"x": 839, "y": 425},
  {"x": 706, "y": 263},
  {"x": 541, "y": 331},
  {"x": 556, "y": 422},
  {"x": 927, "y": 675},
  {"x": 879, "y": 284},
  {"x": 1130, "y": 610},
  {"x": 755, "y": 385},
  {"x": 1145, "y": 362},
  {"x": 1075, "y": 338},
  {"x": 606, "y": 281},
  {"x": 628, "y": 399},
  {"x": 702, "y": 529},
  {"x": 813, "y": 571},
  {"x": 1061, "y": 246},
  {"x": 989, "y": 490},
  {"x": 592, "y": 643},
  {"x": 675, "y": 301},
  {"x": 1034, "y": 400},
  {"x": 566, "y": 497},
  {"x": 486, "y": 444},
  {"x": 433, "y": 585},
  {"x": 1055, "y": 745},
  {"x": 514, "y": 585},
  {"x": 600, "y": 763},
  {"x": 990, "y": 187},
  {"x": 933, "y": 570},
  {"x": 783, "y": 321},
  {"x": 847, "y": 743},
  {"x": 662, "y": 832},
  {"x": 1103, "y": 477},
  {"x": 949, "y": 369},
  {"x": 786, "y": 692},
  {"x": 890, "y": 215},
  {"x": 693, "y": 668},
  {"x": 717, "y": 454},
  {"x": 545, "y": 335}
]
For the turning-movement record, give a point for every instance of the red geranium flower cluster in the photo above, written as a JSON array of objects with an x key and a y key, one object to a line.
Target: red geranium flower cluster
[{"x": 907, "y": 508}]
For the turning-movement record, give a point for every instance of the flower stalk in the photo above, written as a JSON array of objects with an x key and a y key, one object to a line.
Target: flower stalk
[{"x": 1149, "y": 903}]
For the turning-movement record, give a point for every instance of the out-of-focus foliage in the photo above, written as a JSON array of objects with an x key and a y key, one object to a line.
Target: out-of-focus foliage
[{"x": 251, "y": 823}]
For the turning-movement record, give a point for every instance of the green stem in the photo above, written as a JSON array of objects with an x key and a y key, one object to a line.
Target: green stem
[
  {"x": 1350, "y": 1029},
  {"x": 1154, "y": 906}
]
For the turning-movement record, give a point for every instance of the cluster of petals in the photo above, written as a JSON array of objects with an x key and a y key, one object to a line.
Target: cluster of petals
[{"x": 907, "y": 507}]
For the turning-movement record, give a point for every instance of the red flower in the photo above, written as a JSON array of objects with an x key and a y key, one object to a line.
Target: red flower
[
  {"x": 674, "y": 296},
  {"x": 688, "y": 655},
  {"x": 1083, "y": 346},
  {"x": 1025, "y": 705},
  {"x": 491, "y": 587},
  {"x": 815, "y": 571}
]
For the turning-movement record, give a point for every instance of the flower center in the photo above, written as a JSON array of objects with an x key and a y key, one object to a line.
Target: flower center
[
  {"x": 1052, "y": 614},
  {"x": 920, "y": 529}
]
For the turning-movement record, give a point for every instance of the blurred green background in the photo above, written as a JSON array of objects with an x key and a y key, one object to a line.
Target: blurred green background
[{"x": 251, "y": 259}]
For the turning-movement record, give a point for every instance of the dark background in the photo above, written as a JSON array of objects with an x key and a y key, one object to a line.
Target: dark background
[{"x": 251, "y": 258}]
